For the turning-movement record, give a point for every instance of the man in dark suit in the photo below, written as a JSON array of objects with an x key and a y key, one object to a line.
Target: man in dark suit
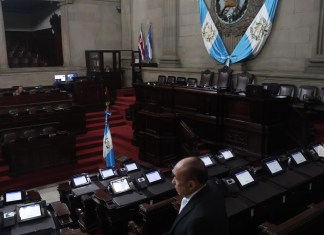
[{"x": 202, "y": 210}]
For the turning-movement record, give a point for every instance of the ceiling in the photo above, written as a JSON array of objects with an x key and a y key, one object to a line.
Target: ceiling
[{"x": 27, "y": 5}]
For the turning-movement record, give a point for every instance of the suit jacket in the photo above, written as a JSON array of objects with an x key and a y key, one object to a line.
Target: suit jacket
[{"x": 204, "y": 214}]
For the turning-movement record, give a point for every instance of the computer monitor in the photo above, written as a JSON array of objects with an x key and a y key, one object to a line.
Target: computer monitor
[
  {"x": 106, "y": 173},
  {"x": 14, "y": 197},
  {"x": 120, "y": 185},
  {"x": 80, "y": 180},
  {"x": 243, "y": 178},
  {"x": 131, "y": 166},
  {"x": 60, "y": 78},
  {"x": 70, "y": 77},
  {"x": 31, "y": 211},
  {"x": 319, "y": 149},
  {"x": 272, "y": 166},
  {"x": 298, "y": 158},
  {"x": 207, "y": 159},
  {"x": 227, "y": 154},
  {"x": 153, "y": 176}
]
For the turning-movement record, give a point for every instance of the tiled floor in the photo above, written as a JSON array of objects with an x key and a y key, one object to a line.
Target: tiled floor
[{"x": 49, "y": 192}]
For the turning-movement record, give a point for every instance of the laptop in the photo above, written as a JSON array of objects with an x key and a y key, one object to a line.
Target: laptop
[
  {"x": 105, "y": 175},
  {"x": 213, "y": 168},
  {"x": 81, "y": 184},
  {"x": 256, "y": 191},
  {"x": 31, "y": 211},
  {"x": 303, "y": 165},
  {"x": 157, "y": 182},
  {"x": 226, "y": 156},
  {"x": 14, "y": 197},
  {"x": 279, "y": 175}
]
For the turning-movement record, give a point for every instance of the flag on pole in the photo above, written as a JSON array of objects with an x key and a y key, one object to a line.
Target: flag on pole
[
  {"x": 149, "y": 44},
  {"x": 108, "y": 150},
  {"x": 141, "y": 46}
]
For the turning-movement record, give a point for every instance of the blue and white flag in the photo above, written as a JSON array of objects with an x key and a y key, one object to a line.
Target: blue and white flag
[
  {"x": 148, "y": 44},
  {"x": 251, "y": 42},
  {"x": 212, "y": 40},
  {"x": 108, "y": 150}
]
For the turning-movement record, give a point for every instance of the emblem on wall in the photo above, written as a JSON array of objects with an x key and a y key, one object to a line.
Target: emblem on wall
[{"x": 231, "y": 11}]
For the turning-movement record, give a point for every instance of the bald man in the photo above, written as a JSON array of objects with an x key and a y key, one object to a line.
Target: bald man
[{"x": 202, "y": 210}]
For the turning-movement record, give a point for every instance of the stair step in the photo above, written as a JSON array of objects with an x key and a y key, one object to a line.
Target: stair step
[
  {"x": 4, "y": 170},
  {"x": 88, "y": 144}
]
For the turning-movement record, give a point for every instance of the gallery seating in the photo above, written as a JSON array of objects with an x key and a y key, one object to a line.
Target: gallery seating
[
  {"x": 161, "y": 79},
  {"x": 192, "y": 81},
  {"x": 171, "y": 80},
  {"x": 242, "y": 80},
  {"x": 206, "y": 78},
  {"x": 287, "y": 90},
  {"x": 224, "y": 80},
  {"x": 307, "y": 93},
  {"x": 272, "y": 87},
  {"x": 181, "y": 81}
]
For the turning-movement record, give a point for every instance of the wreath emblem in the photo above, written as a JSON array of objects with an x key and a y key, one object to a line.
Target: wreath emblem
[
  {"x": 208, "y": 32},
  {"x": 107, "y": 143},
  {"x": 259, "y": 29}
]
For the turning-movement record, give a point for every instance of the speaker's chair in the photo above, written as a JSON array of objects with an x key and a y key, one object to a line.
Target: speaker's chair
[
  {"x": 242, "y": 80},
  {"x": 206, "y": 78}
]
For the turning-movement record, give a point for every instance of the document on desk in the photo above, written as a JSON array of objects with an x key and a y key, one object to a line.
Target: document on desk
[{"x": 161, "y": 187}]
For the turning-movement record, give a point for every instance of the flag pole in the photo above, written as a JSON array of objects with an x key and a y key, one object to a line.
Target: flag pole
[{"x": 108, "y": 150}]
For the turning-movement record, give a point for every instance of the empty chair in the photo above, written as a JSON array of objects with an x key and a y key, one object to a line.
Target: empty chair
[
  {"x": 272, "y": 87},
  {"x": 161, "y": 79},
  {"x": 9, "y": 137},
  {"x": 287, "y": 90},
  {"x": 224, "y": 79},
  {"x": 242, "y": 80},
  {"x": 31, "y": 110},
  {"x": 49, "y": 131},
  {"x": 171, "y": 80},
  {"x": 206, "y": 78},
  {"x": 181, "y": 81},
  {"x": 192, "y": 81},
  {"x": 307, "y": 93},
  {"x": 47, "y": 108},
  {"x": 322, "y": 95}
]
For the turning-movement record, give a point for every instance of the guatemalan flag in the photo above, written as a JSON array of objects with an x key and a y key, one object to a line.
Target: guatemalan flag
[
  {"x": 141, "y": 46},
  {"x": 251, "y": 42},
  {"x": 149, "y": 44},
  {"x": 108, "y": 150}
]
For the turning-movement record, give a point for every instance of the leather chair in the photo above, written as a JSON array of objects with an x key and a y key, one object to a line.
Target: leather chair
[
  {"x": 322, "y": 95},
  {"x": 10, "y": 137},
  {"x": 242, "y": 80},
  {"x": 272, "y": 87},
  {"x": 87, "y": 217},
  {"x": 29, "y": 134},
  {"x": 161, "y": 79},
  {"x": 171, "y": 80},
  {"x": 287, "y": 90},
  {"x": 181, "y": 81},
  {"x": 206, "y": 78},
  {"x": 192, "y": 81},
  {"x": 48, "y": 131},
  {"x": 307, "y": 93},
  {"x": 156, "y": 219},
  {"x": 224, "y": 80}
]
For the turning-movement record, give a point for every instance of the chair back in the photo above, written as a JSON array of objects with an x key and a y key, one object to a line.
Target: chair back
[
  {"x": 206, "y": 78},
  {"x": 273, "y": 88},
  {"x": 306, "y": 92},
  {"x": 287, "y": 90},
  {"x": 181, "y": 81},
  {"x": 161, "y": 79},
  {"x": 322, "y": 95},
  {"x": 171, "y": 80},
  {"x": 192, "y": 81},
  {"x": 242, "y": 80},
  {"x": 224, "y": 80}
]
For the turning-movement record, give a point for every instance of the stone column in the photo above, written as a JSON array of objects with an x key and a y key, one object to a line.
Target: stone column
[
  {"x": 126, "y": 21},
  {"x": 316, "y": 64},
  {"x": 65, "y": 34},
  {"x": 169, "y": 57},
  {"x": 3, "y": 45}
]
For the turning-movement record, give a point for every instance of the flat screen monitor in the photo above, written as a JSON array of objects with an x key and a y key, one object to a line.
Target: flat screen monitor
[
  {"x": 298, "y": 158},
  {"x": 244, "y": 178},
  {"x": 80, "y": 180},
  {"x": 120, "y": 185},
  {"x": 15, "y": 196},
  {"x": 319, "y": 149},
  {"x": 30, "y": 211},
  {"x": 207, "y": 160},
  {"x": 70, "y": 77},
  {"x": 273, "y": 166},
  {"x": 227, "y": 154},
  {"x": 60, "y": 78},
  {"x": 131, "y": 166},
  {"x": 106, "y": 173},
  {"x": 153, "y": 176}
]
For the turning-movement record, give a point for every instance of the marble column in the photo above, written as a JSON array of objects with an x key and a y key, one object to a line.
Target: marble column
[
  {"x": 65, "y": 34},
  {"x": 169, "y": 52},
  {"x": 316, "y": 63},
  {"x": 3, "y": 45}
]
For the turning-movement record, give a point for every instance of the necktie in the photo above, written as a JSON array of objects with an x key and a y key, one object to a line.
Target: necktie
[{"x": 184, "y": 202}]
